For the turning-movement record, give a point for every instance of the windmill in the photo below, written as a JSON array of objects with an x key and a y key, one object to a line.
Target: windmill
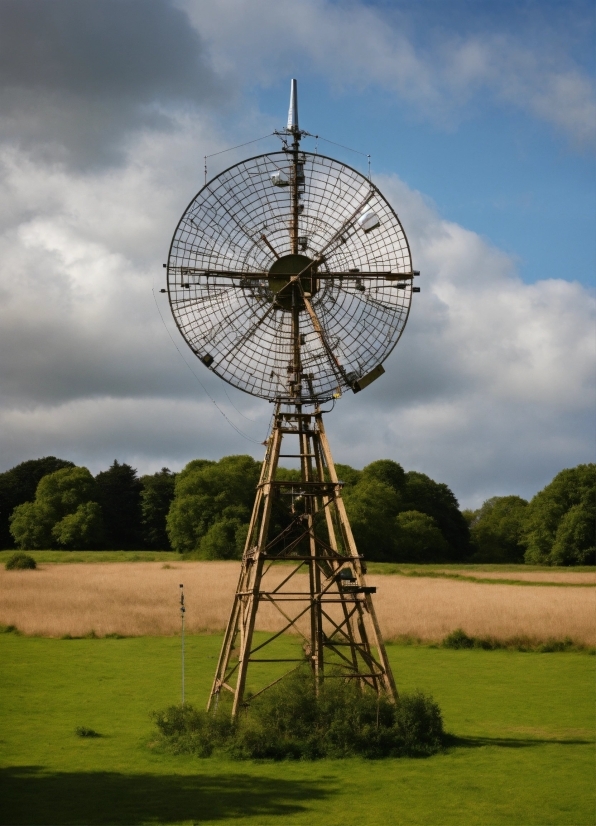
[{"x": 290, "y": 277}]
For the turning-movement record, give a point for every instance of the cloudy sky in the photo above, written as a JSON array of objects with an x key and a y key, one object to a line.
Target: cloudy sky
[{"x": 480, "y": 119}]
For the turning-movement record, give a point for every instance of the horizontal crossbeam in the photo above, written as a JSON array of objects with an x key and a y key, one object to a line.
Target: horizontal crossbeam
[{"x": 388, "y": 275}]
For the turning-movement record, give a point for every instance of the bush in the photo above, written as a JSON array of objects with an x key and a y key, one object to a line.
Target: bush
[
  {"x": 458, "y": 639},
  {"x": 20, "y": 562},
  {"x": 188, "y": 731},
  {"x": 291, "y": 721},
  {"x": 83, "y": 731}
]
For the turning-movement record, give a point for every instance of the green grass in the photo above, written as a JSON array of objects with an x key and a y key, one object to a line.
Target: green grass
[
  {"x": 447, "y": 571},
  {"x": 98, "y": 556},
  {"x": 395, "y": 567},
  {"x": 463, "y": 573},
  {"x": 523, "y": 751}
]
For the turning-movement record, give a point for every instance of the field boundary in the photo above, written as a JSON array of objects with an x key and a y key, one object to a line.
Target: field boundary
[{"x": 487, "y": 580}]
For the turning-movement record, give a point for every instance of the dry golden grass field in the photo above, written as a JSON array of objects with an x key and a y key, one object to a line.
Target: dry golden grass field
[{"x": 141, "y": 598}]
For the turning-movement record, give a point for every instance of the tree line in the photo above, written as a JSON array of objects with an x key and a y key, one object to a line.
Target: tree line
[{"x": 203, "y": 511}]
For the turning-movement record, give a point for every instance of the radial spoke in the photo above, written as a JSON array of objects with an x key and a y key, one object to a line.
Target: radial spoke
[
  {"x": 248, "y": 333},
  {"x": 346, "y": 224},
  {"x": 335, "y": 365}
]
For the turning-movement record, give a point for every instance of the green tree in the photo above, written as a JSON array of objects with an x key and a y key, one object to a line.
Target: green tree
[
  {"x": 559, "y": 527},
  {"x": 348, "y": 475},
  {"x": 421, "y": 493},
  {"x": 574, "y": 541},
  {"x": 372, "y": 506},
  {"x": 223, "y": 540},
  {"x": 18, "y": 485},
  {"x": 119, "y": 494},
  {"x": 65, "y": 490},
  {"x": 497, "y": 528},
  {"x": 82, "y": 529},
  {"x": 418, "y": 539},
  {"x": 157, "y": 494},
  {"x": 386, "y": 471},
  {"x": 60, "y": 515},
  {"x": 31, "y": 526},
  {"x": 210, "y": 492}
]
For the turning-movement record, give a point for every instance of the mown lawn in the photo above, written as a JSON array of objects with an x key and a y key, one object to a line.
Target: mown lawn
[{"x": 523, "y": 751}]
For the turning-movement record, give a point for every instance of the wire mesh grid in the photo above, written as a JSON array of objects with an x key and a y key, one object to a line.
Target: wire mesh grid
[{"x": 221, "y": 297}]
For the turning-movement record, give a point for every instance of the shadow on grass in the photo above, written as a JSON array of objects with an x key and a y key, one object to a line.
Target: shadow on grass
[
  {"x": 32, "y": 796},
  {"x": 451, "y": 741}
]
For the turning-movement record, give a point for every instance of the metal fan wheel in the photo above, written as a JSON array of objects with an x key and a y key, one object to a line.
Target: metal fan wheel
[{"x": 236, "y": 249}]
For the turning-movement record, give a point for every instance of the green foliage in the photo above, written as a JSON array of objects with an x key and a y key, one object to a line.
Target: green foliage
[
  {"x": 119, "y": 494},
  {"x": 560, "y": 522},
  {"x": 574, "y": 540},
  {"x": 63, "y": 491},
  {"x": 291, "y": 720},
  {"x": 188, "y": 731},
  {"x": 18, "y": 485},
  {"x": 459, "y": 640},
  {"x": 20, "y": 562},
  {"x": 157, "y": 493},
  {"x": 468, "y": 515},
  {"x": 399, "y": 517},
  {"x": 421, "y": 493},
  {"x": 31, "y": 525},
  {"x": 418, "y": 539},
  {"x": 62, "y": 513},
  {"x": 497, "y": 528},
  {"x": 83, "y": 731},
  {"x": 348, "y": 475},
  {"x": 388, "y": 472},
  {"x": 223, "y": 540},
  {"x": 372, "y": 506},
  {"x": 207, "y": 493},
  {"x": 82, "y": 529}
]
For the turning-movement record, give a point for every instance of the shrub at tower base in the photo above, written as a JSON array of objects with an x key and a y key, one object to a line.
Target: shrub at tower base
[{"x": 289, "y": 721}]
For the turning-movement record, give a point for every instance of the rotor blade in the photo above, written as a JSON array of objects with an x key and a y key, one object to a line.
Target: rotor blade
[
  {"x": 247, "y": 334},
  {"x": 337, "y": 368},
  {"x": 345, "y": 225},
  {"x": 233, "y": 216},
  {"x": 266, "y": 241}
]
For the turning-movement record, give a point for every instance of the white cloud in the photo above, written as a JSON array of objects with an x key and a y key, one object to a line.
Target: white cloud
[{"x": 355, "y": 45}]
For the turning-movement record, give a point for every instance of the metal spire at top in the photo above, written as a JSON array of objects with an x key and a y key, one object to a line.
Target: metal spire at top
[{"x": 293, "y": 110}]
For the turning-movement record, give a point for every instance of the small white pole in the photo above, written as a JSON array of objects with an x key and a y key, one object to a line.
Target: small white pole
[{"x": 182, "y": 612}]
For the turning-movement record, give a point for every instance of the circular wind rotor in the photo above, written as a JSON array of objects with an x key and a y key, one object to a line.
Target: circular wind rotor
[{"x": 289, "y": 275}]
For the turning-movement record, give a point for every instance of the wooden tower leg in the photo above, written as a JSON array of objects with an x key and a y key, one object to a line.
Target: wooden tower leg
[
  {"x": 344, "y": 639},
  {"x": 242, "y": 617},
  {"x": 387, "y": 678}
]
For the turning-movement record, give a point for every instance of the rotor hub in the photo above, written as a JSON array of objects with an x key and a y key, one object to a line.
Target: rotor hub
[{"x": 289, "y": 293}]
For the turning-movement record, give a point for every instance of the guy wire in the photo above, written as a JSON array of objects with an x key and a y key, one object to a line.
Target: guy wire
[
  {"x": 240, "y": 433},
  {"x": 223, "y": 151}
]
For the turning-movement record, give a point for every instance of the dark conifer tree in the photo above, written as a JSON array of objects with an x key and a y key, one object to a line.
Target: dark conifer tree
[
  {"x": 156, "y": 497},
  {"x": 119, "y": 494}
]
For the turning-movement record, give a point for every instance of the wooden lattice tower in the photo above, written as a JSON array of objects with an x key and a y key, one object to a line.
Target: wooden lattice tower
[{"x": 342, "y": 626}]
